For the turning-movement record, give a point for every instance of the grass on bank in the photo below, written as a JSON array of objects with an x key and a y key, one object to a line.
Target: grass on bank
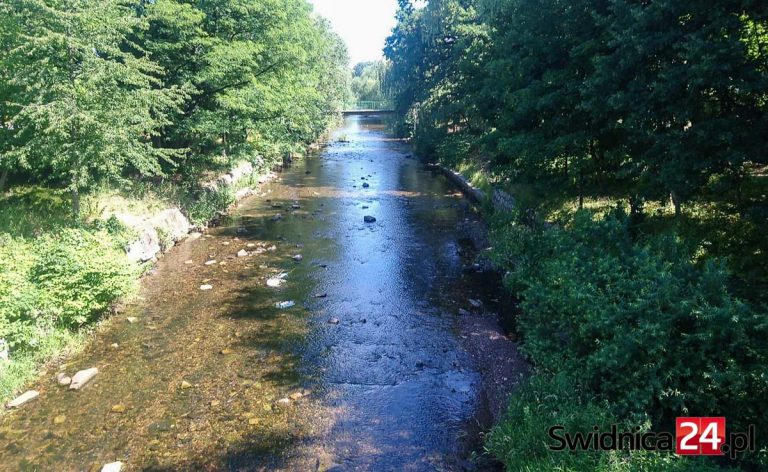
[
  {"x": 59, "y": 277},
  {"x": 52, "y": 285}
]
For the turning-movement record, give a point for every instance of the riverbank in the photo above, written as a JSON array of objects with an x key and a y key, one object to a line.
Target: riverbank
[
  {"x": 74, "y": 275},
  {"x": 566, "y": 303}
]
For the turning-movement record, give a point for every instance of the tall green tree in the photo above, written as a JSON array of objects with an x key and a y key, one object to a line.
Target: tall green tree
[
  {"x": 433, "y": 52},
  {"x": 88, "y": 100},
  {"x": 262, "y": 76},
  {"x": 367, "y": 81},
  {"x": 9, "y": 32},
  {"x": 687, "y": 91},
  {"x": 540, "y": 60}
]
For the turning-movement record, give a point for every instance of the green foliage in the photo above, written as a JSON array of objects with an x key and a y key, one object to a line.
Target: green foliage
[
  {"x": 104, "y": 92},
  {"x": 87, "y": 103},
  {"x": 58, "y": 281},
  {"x": 24, "y": 366},
  {"x": 208, "y": 204},
  {"x": 79, "y": 275},
  {"x": 33, "y": 211},
  {"x": 427, "y": 77},
  {"x": 640, "y": 325},
  {"x": 521, "y": 439},
  {"x": 367, "y": 82},
  {"x": 18, "y": 294},
  {"x": 662, "y": 95},
  {"x": 262, "y": 76}
]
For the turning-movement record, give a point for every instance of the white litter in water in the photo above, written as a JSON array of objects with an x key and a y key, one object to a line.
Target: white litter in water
[
  {"x": 277, "y": 281},
  {"x": 113, "y": 467},
  {"x": 284, "y": 305}
]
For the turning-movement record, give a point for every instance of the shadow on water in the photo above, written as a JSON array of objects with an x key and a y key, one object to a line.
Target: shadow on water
[{"x": 365, "y": 372}]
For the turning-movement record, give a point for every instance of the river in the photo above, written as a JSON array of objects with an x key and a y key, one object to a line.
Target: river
[{"x": 367, "y": 371}]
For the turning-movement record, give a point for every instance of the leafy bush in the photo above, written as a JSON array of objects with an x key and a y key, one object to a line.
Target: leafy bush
[
  {"x": 18, "y": 295},
  {"x": 58, "y": 281},
  {"x": 62, "y": 280},
  {"x": 521, "y": 439},
  {"x": 639, "y": 324},
  {"x": 454, "y": 149},
  {"x": 79, "y": 275},
  {"x": 208, "y": 205}
]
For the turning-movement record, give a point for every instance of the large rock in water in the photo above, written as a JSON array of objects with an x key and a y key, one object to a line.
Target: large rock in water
[
  {"x": 22, "y": 399},
  {"x": 83, "y": 377}
]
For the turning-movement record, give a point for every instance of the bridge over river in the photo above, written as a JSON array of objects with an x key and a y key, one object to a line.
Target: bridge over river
[{"x": 368, "y": 108}]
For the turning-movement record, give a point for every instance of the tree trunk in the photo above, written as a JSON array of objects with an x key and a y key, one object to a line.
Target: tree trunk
[
  {"x": 3, "y": 180},
  {"x": 582, "y": 163},
  {"x": 75, "y": 203},
  {"x": 677, "y": 203}
]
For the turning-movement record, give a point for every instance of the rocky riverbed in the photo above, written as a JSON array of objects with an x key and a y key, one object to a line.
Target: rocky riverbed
[{"x": 329, "y": 324}]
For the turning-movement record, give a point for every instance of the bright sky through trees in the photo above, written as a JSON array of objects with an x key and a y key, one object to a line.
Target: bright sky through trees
[{"x": 362, "y": 24}]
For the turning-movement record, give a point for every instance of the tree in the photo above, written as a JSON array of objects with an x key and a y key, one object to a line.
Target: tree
[
  {"x": 434, "y": 72},
  {"x": 367, "y": 80},
  {"x": 688, "y": 94},
  {"x": 9, "y": 31},
  {"x": 261, "y": 75},
  {"x": 88, "y": 100}
]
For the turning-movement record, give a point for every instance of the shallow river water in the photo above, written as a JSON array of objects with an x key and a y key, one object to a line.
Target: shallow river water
[{"x": 366, "y": 372}]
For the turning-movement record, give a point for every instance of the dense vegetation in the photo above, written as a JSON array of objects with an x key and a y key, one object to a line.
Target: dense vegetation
[
  {"x": 130, "y": 106},
  {"x": 367, "y": 82},
  {"x": 632, "y": 135}
]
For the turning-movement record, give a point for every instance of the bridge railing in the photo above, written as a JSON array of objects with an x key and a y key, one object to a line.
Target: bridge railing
[{"x": 369, "y": 105}]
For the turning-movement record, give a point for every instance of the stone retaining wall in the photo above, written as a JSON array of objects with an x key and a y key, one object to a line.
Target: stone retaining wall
[
  {"x": 500, "y": 200},
  {"x": 170, "y": 225}
]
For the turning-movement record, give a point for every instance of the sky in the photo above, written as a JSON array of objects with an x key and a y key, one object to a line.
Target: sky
[{"x": 362, "y": 24}]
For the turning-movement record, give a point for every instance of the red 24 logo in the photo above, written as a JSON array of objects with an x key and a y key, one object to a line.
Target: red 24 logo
[{"x": 700, "y": 436}]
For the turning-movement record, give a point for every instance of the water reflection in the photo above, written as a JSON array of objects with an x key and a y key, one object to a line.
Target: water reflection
[{"x": 368, "y": 377}]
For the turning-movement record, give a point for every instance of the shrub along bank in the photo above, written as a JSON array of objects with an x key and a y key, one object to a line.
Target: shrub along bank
[
  {"x": 628, "y": 330},
  {"x": 59, "y": 277},
  {"x": 50, "y": 287}
]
